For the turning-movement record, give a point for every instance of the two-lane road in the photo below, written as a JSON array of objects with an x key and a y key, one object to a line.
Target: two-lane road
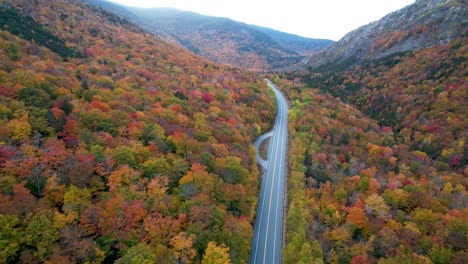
[{"x": 267, "y": 244}]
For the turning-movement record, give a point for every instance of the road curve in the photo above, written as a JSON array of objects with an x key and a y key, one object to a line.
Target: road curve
[{"x": 267, "y": 243}]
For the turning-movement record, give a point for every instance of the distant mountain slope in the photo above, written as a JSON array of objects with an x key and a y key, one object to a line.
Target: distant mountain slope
[
  {"x": 422, "y": 24},
  {"x": 221, "y": 39},
  {"x": 297, "y": 43}
]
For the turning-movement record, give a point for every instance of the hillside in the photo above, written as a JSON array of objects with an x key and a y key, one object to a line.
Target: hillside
[
  {"x": 221, "y": 39},
  {"x": 118, "y": 147},
  {"x": 301, "y": 45},
  {"x": 381, "y": 178},
  {"x": 422, "y": 24}
]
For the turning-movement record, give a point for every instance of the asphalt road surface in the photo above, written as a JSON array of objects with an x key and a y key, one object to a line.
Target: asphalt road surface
[{"x": 267, "y": 244}]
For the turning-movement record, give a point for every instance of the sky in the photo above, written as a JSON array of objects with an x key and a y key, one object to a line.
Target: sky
[{"x": 326, "y": 19}]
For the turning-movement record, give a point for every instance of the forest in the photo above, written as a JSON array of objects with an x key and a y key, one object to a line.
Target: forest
[
  {"x": 118, "y": 147},
  {"x": 378, "y": 160},
  {"x": 121, "y": 148}
]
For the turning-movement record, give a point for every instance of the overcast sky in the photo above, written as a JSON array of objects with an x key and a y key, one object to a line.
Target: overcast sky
[{"x": 329, "y": 19}]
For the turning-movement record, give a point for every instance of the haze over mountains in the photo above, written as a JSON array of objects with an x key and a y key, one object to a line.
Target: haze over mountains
[{"x": 221, "y": 39}]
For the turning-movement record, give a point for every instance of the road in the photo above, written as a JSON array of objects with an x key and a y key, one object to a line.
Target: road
[{"x": 267, "y": 244}]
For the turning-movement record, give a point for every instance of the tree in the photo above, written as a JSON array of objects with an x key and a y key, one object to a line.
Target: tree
[
  {"x": 123, "y": 176},
  {"x": 124, "y": 155},
  {"x": 237, "y": 234},
  {"x": 357, "y": 216},
  {"x": 406, "y": 258},
  {"x": 119, "y": 217},
  {"x": 183, "y": 247},
  {"x": 441, "y": 255},
  {"x": 184, "y": 144},
  {"x": 23, "y": 202},
  {"x": 425, "y": 219},
  {"x": 40, "y": 234},
  {"x": 10, "y": 238},
  {"x": 161, "y": 229},
  {"x": 397, "y": 198},
  {"x": 75, "y": 199},
  {"x": 216, "y": 254},
  {"x": 360, "y": 259},
  {"x": 70, "y": 133},
  {"x": 230, "y": 169},
  {"x": 138, "y": 254},
  {"x": 376, "y": 205},
  {"x": 20, "y": 130},
  {"x": 77, "y": 247},
  {"x": 157, "y": 189},
  {"x": 197, "y": 180},
  {"x": 79, "y": 170},
  {"x": 339, "y": 236},
  {"x": 155, "y": 166}
]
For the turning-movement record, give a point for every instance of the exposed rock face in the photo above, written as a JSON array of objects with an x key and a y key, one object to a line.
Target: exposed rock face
[{"x": 422, "y": 24}]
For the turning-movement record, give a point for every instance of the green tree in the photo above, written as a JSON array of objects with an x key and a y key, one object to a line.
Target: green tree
[
  {"x": 425, "y": 219},
  {"x": 76, "y": 199},
  {"x": 441, "y": 255},
  {"x": 138, "y": 254},
  {"x": 13, "y": 52},
  {"x": 10, "y": 237},
  {"x": 124, "y": 155},
  {"x": 40, "y": 234},
  {"x": 230, "y": 169},
  {"x": 155, "y": 166}
]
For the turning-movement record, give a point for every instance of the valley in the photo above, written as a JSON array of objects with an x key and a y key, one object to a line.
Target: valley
[
  {"x": 222, "y": 40},
  {"x": 132, "y": 135}
]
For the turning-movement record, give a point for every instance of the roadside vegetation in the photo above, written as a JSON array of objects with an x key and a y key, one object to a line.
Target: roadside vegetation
[{"x": 381, "y": 178}]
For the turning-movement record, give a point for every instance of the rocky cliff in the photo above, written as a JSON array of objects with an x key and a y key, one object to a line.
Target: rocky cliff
[{"x": 422, "y": 24}]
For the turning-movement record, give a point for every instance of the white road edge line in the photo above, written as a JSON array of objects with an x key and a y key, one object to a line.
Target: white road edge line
[
  {"x": 279, "y": 185},
  {"x": 271, "y": 191},
  {"x": 264, "y": 196}
]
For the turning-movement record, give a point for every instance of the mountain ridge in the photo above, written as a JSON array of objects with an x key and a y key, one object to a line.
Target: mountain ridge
[
  {"x": 222, "y": 40},
  {"x": 295, "y": 42},
  {"x": 422, "y": 24}
]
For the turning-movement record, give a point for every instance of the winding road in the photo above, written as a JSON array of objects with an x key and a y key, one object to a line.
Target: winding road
[{"x": 267, "y": 244}]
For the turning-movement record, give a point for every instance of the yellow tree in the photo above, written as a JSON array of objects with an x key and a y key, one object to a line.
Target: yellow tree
[
  {"x": 19, "y": 128},
  {"x": 216, "y": 254},
  {"x": 183, "y": 247},
  {"x": 376, "y": 205}
]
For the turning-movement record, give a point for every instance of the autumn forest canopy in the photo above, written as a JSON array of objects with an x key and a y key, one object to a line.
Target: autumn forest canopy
[
  {"x": 120, "y": 144},
  {"x": 118, "y": 147}
]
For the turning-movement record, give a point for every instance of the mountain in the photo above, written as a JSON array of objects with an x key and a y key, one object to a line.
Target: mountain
[
  {"x": 116, "y": 146},
  {"x": 422, "y": 24},
  {"x": 221, "y": 39},
  {"x": 302, "y": 45}
]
